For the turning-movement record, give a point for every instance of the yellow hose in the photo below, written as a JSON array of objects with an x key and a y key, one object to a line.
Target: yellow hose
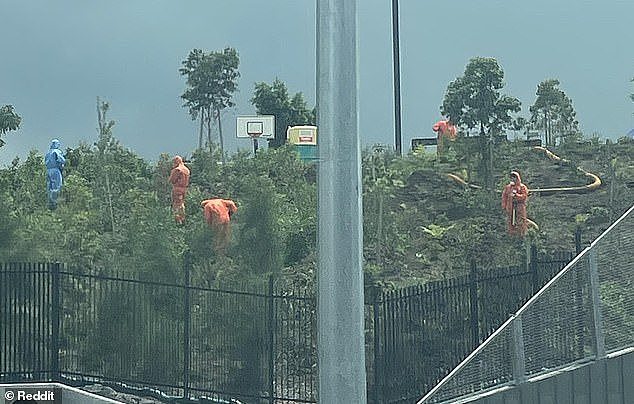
[
  {"x": 596, "y": 181},
  {"x": 595, "y": 184},
  {"x": 463, "y": 182}
]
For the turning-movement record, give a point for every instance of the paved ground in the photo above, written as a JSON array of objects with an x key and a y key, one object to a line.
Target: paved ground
[{"x": 115, "y": 395}]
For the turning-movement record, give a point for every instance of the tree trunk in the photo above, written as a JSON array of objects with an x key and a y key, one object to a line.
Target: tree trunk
[
  {"x": 222, "y": 146},
  {"x": 200, "y": 133},
  {"x": 490, "y": 179},
  {"x": 209, "y": 130},
  {"x": 109, "y": 193},
  {"x": 102, "y": 146},
  {"x": 547, "y": 128},
  {"x": 486, "y": 150},
  {"x": 379, "y": 230},
  {"x": 99, "y": 118}
]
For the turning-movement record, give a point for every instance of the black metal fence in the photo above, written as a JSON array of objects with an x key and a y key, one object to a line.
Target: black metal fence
[
  {"x": 421, "y": 333},
  {"x": 256, "y": 345}
]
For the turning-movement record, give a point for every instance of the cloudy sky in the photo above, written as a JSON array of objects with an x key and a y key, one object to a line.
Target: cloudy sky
[{"x": 58, "y": 56}]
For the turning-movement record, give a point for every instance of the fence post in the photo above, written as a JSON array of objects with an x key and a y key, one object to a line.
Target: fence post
[
  {"x": 578, "y": 240},
  {"x": 55, "y": 320},
  {"x": 187, "y": 263},
  {"x": 534, "y": 269},
  {"x": 518, "y": 359},
  {"x": 272, "y": 327},
  {"x": 599, "y": 336},
  {"x": 473, "y": 302},
  {"x": 378, "y": 393}
]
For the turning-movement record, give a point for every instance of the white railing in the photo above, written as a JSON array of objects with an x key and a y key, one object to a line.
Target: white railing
[{"x": 585, "y": 312}]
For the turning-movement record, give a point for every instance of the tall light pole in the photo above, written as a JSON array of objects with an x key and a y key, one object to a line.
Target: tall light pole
[
  {"x": 340, "y": 332},
  {"x": 397, "y": 78}
]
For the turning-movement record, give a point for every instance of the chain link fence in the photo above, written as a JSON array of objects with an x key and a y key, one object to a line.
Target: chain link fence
[{"x": 584, "y": 313}]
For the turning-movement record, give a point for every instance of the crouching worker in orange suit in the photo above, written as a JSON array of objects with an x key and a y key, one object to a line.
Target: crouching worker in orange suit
[
  {"x": 179, "y": 178},
  {"x": 218, "y": 215},
  {"x": 514, "y": 198}
]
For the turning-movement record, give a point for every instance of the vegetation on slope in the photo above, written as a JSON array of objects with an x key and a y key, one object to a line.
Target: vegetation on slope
[{"x": 418, "y": 223}]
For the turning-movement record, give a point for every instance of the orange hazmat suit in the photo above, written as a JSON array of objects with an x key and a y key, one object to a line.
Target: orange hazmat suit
[
  {"x": 179, "y": 178},
  {"x": 218, "y": 215},
  {"x": 444, "y": 129},
  {"x": 514, "y": 198}
]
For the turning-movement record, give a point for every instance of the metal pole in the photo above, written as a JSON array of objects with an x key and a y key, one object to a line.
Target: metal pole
[
  {"x": 519, "y": 361},
  {"x": 578, "y": 247},
  {"x": 378, "y": 362},
  {"x": 271, "y": 331},
  {"x": 340, "y": 334},
  {"x": 186, "y": 325},
  {"x": 534, "y": 269},
  {"x": 397, "y": 78},
  {"x": 473, "y": 302},
  {"x": 597, "y": 315},
  {"x": 56, "y": 316}
]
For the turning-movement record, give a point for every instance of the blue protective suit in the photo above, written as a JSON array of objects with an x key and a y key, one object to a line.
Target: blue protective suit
[{"x": 54, "y": 161}]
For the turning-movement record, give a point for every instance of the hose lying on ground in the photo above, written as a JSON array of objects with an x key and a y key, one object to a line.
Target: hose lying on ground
[{"x": 596, "y": 181}]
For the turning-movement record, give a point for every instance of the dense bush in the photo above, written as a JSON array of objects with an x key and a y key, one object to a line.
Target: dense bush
[{"x": 418, "y": 223}]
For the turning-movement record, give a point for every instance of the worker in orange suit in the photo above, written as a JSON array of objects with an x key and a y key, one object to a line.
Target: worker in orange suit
[
  {"x": 514, "y": 198},
  {"x": 444, "y": 129},
  {"x": 179, "y": 178},
  {"x": 218, "y": 214}
]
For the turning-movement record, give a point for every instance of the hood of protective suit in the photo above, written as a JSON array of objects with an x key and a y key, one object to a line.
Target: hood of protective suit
[
  {"x": 440, "y": 126},
  {"x": 519, "y": 178},
  {"x": 55, "y": 144},
  {"x": 178, "y": 160}
]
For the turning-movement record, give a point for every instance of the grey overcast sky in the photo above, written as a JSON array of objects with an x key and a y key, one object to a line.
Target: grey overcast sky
[{"x": 58, "y": 56}]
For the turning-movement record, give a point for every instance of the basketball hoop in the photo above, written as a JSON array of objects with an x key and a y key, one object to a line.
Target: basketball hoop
[{"x": 255, "y": 129}]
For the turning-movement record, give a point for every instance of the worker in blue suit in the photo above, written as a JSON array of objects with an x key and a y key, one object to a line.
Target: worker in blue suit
[{"x": 54, "y": 161}]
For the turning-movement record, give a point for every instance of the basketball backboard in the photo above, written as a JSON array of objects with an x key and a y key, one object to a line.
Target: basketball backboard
[
  {"x": 302, "y": 135},
  {"x": 255, "y": 126}
]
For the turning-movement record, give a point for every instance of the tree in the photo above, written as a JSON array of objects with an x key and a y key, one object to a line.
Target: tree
[
  {"x": 259, "y": 237},
  {"x": 474, "y": 101},
  {"x": 553, "y": 111},
  {"x": 211, "y": 82},
  {"x": 9, "y": 121},
  {"x": 105, "y": 143},
  {"x": 113, "y": 170},
  {"x": 273, "y": 99}
]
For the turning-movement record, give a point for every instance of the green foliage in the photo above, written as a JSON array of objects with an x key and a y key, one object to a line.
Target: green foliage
[
  {"x": 114, "y": 348},
  {"x": 160, "y": 179},
  {"x": 617, "y": 311},
  {"x": 211, "y": 80},
  {"x": 437, "y": 231},
  {"x": 9, "y": 121},
  {"x": 273, "y": 99},
  {"x": 127, "y": 322},
  {"x": 114, "y": 217},
  {"x": 474, "y": 101},
  {"x": 8, "y": 223},
  {"x": 259, "y": 235},
  {"x": 114, "y": 213},
  {"x": 77, "y": 213},
  {"x": 380, "y": 181},
  {"x": 553, "y": 112}
]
